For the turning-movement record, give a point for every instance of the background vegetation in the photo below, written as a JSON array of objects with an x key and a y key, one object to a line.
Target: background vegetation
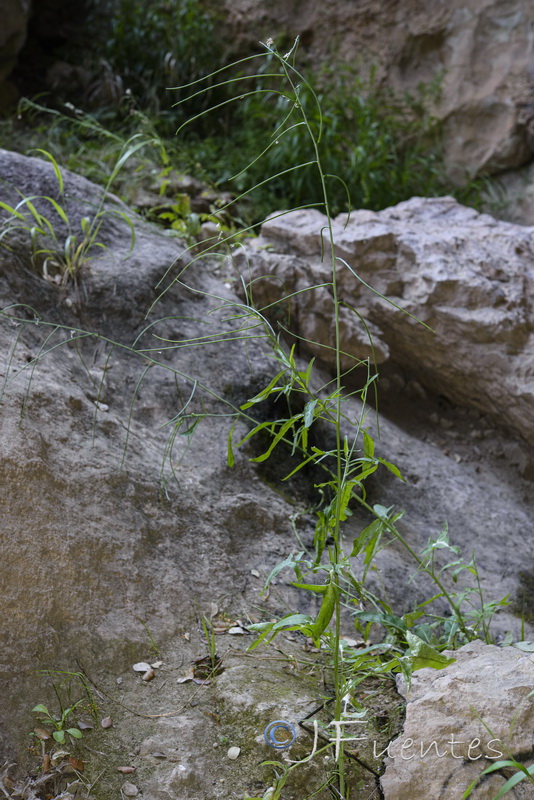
[{"x": 120, "y": 61}]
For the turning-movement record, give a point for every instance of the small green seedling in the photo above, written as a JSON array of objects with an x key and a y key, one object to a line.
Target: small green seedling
[{"x": 59, "y": 723}]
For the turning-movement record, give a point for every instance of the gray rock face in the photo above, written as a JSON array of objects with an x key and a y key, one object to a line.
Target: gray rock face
[
  {"x": 108, "y": 522},
  {"x": 464, "y": 275},
  {"x": 459, "y": 721},
  {"x": 482, "y": 49}
]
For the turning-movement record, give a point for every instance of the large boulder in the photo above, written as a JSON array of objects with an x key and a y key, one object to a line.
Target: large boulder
[
  {"x": 466, "y": 276},
  {"x": 480, "y": 50},
  {"x": 461, "y": 720}
]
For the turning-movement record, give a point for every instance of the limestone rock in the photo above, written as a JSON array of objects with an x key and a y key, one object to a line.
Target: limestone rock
[
  {"x": 463, "y": 274},
  {"x": 481, "y": 48},
  {"x": 459, "y": 721},
  {"x": 107, "y": 522}
]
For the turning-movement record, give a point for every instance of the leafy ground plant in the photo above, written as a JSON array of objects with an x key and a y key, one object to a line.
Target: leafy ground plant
[
  {"x": 59, "y": 722},
  {"x": 59, "y": 251}
]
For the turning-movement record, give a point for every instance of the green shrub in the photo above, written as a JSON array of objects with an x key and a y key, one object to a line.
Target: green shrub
[
  {"x": 153, "y": 45},
  {"x": 388, "y": 147}
]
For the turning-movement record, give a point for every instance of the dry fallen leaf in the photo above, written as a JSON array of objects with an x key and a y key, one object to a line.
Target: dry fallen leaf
[
  {"x": 41, "y": 733},
  {"x": 149, "y": 675},
  {"x": 76, "y": 763},
  {"x": 189, "y": 675},
  {"x": 85, "y": 724},
  {"x": 107, "y": 722},
  {"x": 126, "y": 770},
  {"x": 57, "y": 757}
]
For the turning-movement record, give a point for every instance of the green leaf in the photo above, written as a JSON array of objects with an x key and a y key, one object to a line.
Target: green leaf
[
  {"x": 511, "y": 782},
  {"x": 311, "y": 587},
  {"x": 230, "y": 460},
  {"x": 57, "y": 171},
  {"x": 280, "y": 435},
  {"x": 370, "y": 532},
  {"x": 381, "y": 511},
  {"x": 302, "y": 464},
  {"x": 527, "y": 647},
  {"x": 424, "y": 655},
  {"x": 292, "y": 621},
  {"x": 346, "y": 494},
  {"x": 289, "y": 562},
  {"x": 309, "y": 412},
  {"x": 392, "y": 468},
  {"x": 75, "y": 733},
  {"x": 12, "y": 211},
  {"x": 58, "y": 209},
  {"x": 190, "y": 431},
  {"x": 41, "y": 709},
  {"x": 325, "y": 613},
  {"x": 265, "y": 392},
  {"x": 368, "y": 445},
  {"x": 498, "y": 765},
  {"x": 59, "y": 736}
]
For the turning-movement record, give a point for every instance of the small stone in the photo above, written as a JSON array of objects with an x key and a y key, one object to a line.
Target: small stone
[
  {"x": 233, "y": 753},
  {"x": 129, "y": 789},
  {"x": 141, "y": 666}
]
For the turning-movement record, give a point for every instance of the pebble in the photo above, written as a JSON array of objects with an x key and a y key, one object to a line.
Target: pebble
[
  {"x": 233, "y": 753},
  {"x": 129, "y": 789}
]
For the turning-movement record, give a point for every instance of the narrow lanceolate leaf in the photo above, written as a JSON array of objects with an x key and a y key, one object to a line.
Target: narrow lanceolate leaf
[
  {"x": 371, "y": 531},
  {"x": 368, "y": 445},
  {"x": 392, "y": 468},
  {"x": 12, "y": 211},
  {"x": 309, "y": 413},
  {"x": 311, "y": 587},
  {"x": 325, "y": 613},
  {"x": 55, "y": 165},
  {"x": 279, "y": 436},
  {"x": 264, "y": 393},
  {"x": 346, "y": 494},
  {"x": 498, "y": 765},
  {"x": 230, "y": 460},
  {"x": 289, "y": 562},
  {"x": 58, "y": 209}
]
